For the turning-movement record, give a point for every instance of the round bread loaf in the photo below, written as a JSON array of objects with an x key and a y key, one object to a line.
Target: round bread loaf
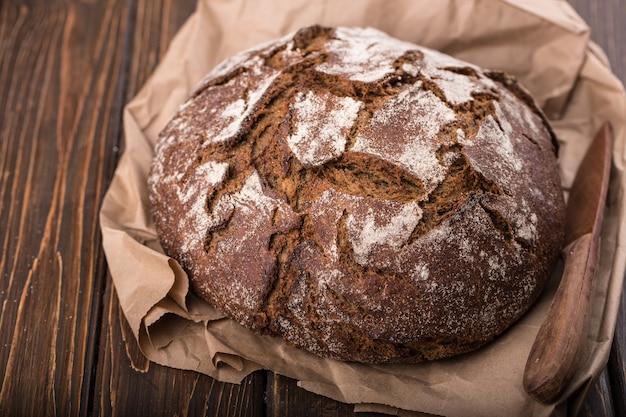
[{"x": 364, "y": 198}]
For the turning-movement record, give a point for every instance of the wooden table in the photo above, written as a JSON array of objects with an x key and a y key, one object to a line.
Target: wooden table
[{"x": 67, "y": 67}]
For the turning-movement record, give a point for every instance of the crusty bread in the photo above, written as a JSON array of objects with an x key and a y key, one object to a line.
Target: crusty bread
[{"x": 364, "y": 198}]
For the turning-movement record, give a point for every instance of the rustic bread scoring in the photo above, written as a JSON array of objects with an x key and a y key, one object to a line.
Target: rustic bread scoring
[{"x": 364, "y": 198}]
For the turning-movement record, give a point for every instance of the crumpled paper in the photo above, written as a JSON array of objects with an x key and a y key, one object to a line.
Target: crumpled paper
[{"x": 545, "y": 44}]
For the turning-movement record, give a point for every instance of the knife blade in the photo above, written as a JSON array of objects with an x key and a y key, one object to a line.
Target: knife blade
[{"x": 554, "y": 356}]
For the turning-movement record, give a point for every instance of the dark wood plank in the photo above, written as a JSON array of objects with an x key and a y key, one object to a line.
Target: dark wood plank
[
  {"x": 286, "y": 399},
  {"x": 617, "y": 364},
  {"x": 59, "y": 67},
  {"x": 154, "y": 25},
  {"x": 606, "y": 20},
  {"x": 599, "y": 402}
]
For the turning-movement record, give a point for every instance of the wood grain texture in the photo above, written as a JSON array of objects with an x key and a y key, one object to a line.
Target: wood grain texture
[
  {"x": 599, "y": 401},
  {"x": 617, "y": 365},
  {"x": 285, "y": 398},
  {"x": 606, "y": 20},
  {"x": 59, "y": 68}
]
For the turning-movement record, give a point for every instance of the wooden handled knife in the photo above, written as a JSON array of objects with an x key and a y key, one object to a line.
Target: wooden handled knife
[{"x": 553, "y": 358}]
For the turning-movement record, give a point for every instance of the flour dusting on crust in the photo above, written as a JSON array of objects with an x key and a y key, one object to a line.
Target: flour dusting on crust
[
  {"x": 322, "y": 124},
  {"x": 403, "y": 132},
  {"x": 389, "y": 226},
  {"x": 363, "y": 54}
]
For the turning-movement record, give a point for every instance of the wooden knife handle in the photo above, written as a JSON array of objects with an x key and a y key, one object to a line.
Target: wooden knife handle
[{"x": 553, "y": 358}]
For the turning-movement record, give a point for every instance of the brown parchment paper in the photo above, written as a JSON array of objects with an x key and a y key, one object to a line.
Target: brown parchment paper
[{"x": 544, "y": 43}]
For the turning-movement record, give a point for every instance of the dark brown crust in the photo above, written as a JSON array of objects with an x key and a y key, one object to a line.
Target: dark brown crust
[{"x": 398, "y": 208}]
